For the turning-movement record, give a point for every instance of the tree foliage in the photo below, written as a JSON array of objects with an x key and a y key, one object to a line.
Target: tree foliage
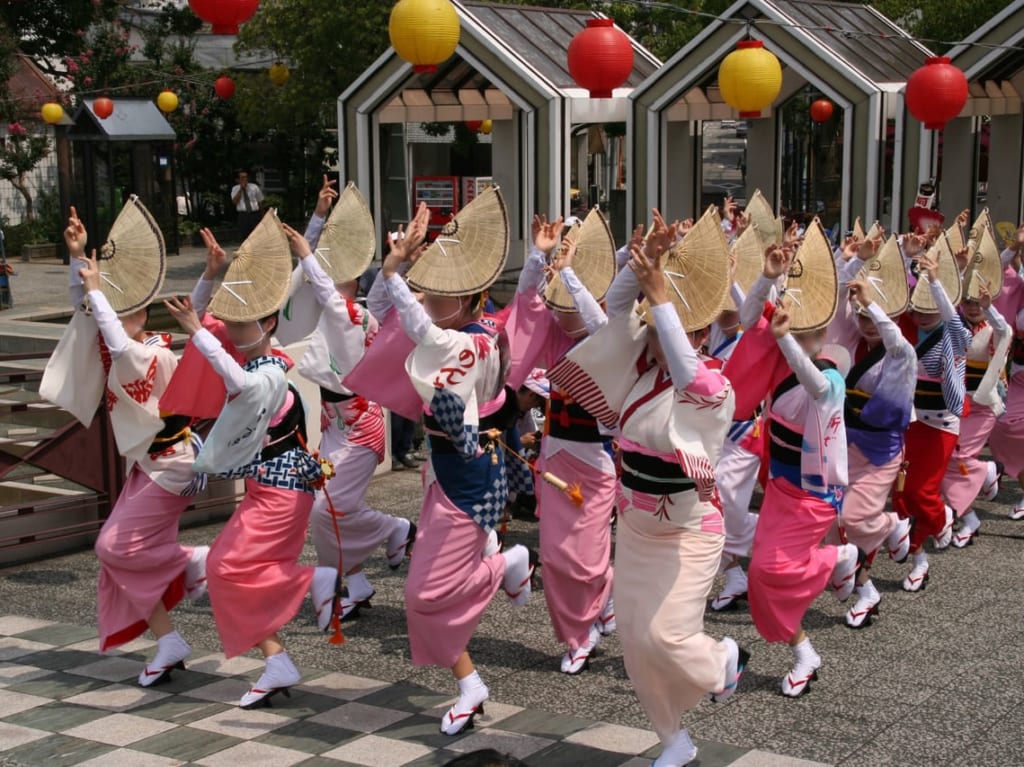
[
  {"x": 940, "y": 24},
  {"x": 50, "y": 30}
]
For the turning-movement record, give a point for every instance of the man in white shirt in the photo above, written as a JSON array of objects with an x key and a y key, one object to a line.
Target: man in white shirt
[{"x": 247, "y": 199}]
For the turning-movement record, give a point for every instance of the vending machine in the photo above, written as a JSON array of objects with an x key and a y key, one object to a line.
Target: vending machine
[
  {"x": 474, "y": 185},
  {"x": 441, "y": 194}
]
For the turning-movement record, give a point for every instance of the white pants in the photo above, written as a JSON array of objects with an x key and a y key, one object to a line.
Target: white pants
[{"x": 737, "y": 476}]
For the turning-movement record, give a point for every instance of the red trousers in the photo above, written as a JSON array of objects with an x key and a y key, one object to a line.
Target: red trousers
[{"x": 928, "y": 452}]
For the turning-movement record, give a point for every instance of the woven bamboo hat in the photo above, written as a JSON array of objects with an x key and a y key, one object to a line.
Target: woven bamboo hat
[
  {"x": 812, "y": 284},
  {"x": 858, "y": 230},
  {"x": 133, "y": 260},
  {"x": 349, "y": 240},
  {"x": 949, "y": 275},
  {"x": 470, "y": 253},
  {"x": 886, "y": 275},
  {"x": 594, "y": 262},
  {"x": 697, "y": 274},
  {"x": 955, "y": 235},
  {"x": 748, "y": 250},
  {"x": 258, "y": 279},
  {"x": 763, "y": 220},
  {"x": 985, "y": 268}
]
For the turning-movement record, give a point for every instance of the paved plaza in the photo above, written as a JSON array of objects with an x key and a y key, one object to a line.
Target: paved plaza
[{"x": 939, "y": 679}]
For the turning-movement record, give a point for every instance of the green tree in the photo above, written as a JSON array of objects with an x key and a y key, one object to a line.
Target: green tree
[
  {"x": 940, "y": 24},
  {"x": 50, "y": 30}
]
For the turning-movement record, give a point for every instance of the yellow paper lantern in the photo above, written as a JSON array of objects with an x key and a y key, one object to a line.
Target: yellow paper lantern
[
  {"x": 279, "y": 73},
  {"x": 750, "y": 78},
  {"x": 52, "y": 112},
  {"x": 167, "y": 101},
  {"x": 486, "y": 127},
  {"x": 424, "y": 32}
]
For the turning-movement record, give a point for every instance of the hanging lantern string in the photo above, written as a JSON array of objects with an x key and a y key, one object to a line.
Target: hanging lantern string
[
  {"x": 851, "y": 33},
  {"x": 159, "y": 78}
]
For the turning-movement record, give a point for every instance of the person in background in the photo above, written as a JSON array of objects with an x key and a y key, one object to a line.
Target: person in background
[{"x": 248, "y": 200}]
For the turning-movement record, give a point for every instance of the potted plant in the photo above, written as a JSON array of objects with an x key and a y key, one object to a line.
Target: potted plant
[{"x": 188, "y": 230}]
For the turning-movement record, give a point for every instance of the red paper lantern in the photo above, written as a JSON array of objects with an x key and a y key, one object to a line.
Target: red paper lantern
[
  {"x": 224, "y": 15},
  {"x": 600, "y": 58},
  {"x": 821, "y": 110},
  {"x": 936, "y": 92},
  {"x": 224, "y": 87},
  {"x": 474, "y": 125},
  {"x": 103, "y": 107}
]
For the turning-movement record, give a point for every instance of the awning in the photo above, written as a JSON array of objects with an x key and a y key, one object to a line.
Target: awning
[{"x": 132, "y": 120}]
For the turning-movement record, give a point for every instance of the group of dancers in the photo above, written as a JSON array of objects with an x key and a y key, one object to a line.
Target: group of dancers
[{"x": 676, "y": 373}]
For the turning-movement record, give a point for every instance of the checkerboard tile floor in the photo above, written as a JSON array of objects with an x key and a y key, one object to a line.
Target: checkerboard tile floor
[{"x": 62, "y": 704}]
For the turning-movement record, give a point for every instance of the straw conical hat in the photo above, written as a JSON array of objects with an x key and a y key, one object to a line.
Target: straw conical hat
[
  {"x": 886, "y": 276},
  {"x": 748, "y": 249},
  {"x": 762, "y": 215},
  {"x": 955, "y": 235},
  {"x": 697, "y": 273},
  {"x": 470, "y": 253},
  {"x": 949, "y": 275},
  {"x": 594, "y": 262},
  {"x": 258, "y": 279},
  {"x": 858, "y": 230},
  {"x": 875, "y": 230},
  {"x": 812, "y": 283},
  {"x": 985, "y": 268},
  {"x": 349, "y": 240},
  {"x": 133, "y": 260}
]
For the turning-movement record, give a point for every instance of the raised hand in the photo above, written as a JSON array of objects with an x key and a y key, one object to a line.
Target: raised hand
[
  {"x": 216, "y": 258},
  {"x": 547, "y": 234},
  {"x": 299, "y": 245},
  {"x": 914, "y": 244},
  {"x": 90, "y": 271},
  {"x": 859, "y": 293},
  {"x": 777, "y": 259},
  {"x": 729, "y": 208},
  {"x": 182, "y": 311},
  {"x": 75, "y": 235},
  {"x": 328, "y": 194},
  {"x": 867, "y": 249},
  {"x": 792, "y": 235},
  {"x": 929, "y": 264},
  {"x": 661, "y": 238},
  {"x": 407, "y": 244},
  {"x": 741, "y": 224},
  {"x": 637, "y": 238},
  {"x": 781, "y": 319},
  {"x": 649, "y": 274},
  {"x": 963, "y": 218},
  {"x": 565, "y": 255},
  {"x": 984, "y": 297}
]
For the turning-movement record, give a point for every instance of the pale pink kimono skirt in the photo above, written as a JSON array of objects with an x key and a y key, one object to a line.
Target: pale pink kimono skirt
[
  {"x": 362, "y": 529},
  {"x": 664, "y": 574},
  {"x": 1007, "y": 438},
  {"x": 865, "y": 520},
  {"x": 737, "y": 472},
  {"x": 575, "y": 546},
  {"x": 789, "y": 567},
  {"x": 255, "y": 582},
  {"x": 450, "y": 584},
  {"x": 965, "y": 474},
  {"x": 141, "y": 561}
]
